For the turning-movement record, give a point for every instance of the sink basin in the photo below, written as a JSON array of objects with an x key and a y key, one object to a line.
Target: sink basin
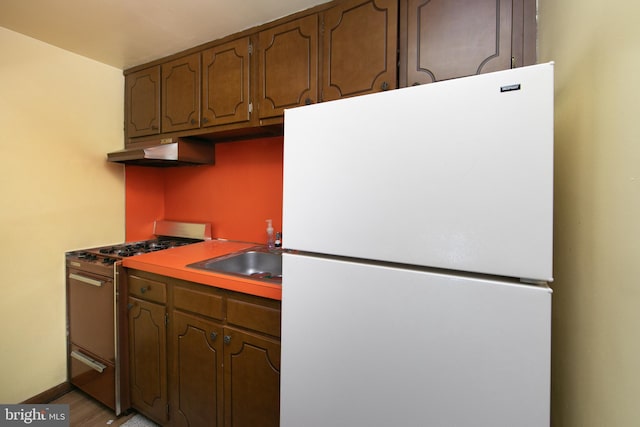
[{"x": 253, "y": 264}]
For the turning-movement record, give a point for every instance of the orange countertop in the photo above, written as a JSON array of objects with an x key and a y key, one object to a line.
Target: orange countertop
[{"x": 173, "y": 263}]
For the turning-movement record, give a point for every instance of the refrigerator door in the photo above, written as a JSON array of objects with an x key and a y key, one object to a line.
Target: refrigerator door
[
  {"x": 455, "y": 174},
  {"x": 367, "y": 345}
]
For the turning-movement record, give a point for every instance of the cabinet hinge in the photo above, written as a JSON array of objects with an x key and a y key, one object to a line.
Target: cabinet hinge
[
  {"x": 250, "y": 107},
  {"x": 250, "y": 48},
  {"x": 166, "y": 319}
]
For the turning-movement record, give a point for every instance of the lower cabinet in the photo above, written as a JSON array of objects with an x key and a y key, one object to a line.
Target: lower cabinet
[
  {"x": 208, "y": 357},
  {"x": 147, "y": 319},
  {"x": 251, "y": 379},
  {"x": 196, "y": 371}
]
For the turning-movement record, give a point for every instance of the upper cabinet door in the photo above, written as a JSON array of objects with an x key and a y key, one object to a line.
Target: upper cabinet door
[
  {"x": 288, "y": 66},
  {"x": 225, "y": 83},
  {"x": 181, "y": 94},
  {"x": 142, "y": 102},
  {"x": 457, "y": 38},
  {"x": 359, "y": 48}
]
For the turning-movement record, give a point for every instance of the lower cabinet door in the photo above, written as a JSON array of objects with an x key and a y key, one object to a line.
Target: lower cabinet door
[
  {"x": 251, "y": 379},
  {"x": 148, "y": 358},
  {"x": 93, "y": 375},
  {"x": 196, "y": 372}
]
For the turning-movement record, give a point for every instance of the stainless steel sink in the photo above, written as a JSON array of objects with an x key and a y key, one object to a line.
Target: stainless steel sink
[{"x": 255, "y": 264}]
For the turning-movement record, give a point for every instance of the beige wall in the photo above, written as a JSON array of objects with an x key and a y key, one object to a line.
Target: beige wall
[
  {"x": 596, "y": 313},
  {"x": 60, "y": 114}
]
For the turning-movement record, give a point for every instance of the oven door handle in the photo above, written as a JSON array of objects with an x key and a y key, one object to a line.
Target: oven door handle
[
  {"x": 87, "y": 280},
  {"x": 97, "y": 366}
]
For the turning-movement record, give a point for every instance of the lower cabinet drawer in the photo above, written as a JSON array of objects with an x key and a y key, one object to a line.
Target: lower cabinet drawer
[
  {"x": 93, "y": 375},
  {"x": 205, "y": 303},
  {"x": 147, "y": 289},
  {"x": 258, "y": 317}
]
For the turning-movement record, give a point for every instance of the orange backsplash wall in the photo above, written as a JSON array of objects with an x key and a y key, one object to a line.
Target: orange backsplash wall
[
  {"x": 236, "y": 195},
  {"x": 144, "y": 201}
]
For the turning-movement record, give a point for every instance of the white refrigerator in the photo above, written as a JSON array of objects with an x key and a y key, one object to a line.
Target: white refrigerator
[{"x": 420, "y": 224}]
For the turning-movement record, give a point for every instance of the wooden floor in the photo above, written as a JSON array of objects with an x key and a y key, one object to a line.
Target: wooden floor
[{"x": 86, "y": 412}]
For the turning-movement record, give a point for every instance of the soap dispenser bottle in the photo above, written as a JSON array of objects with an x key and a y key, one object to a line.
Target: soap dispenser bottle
[{"x": 270, "y": 240}]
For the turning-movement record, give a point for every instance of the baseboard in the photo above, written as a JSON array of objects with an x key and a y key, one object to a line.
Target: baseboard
[{"x": 51, "y": 394}]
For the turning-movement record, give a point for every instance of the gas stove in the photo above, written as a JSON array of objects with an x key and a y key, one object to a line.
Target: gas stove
[
  {"x": 109, "y": 254},
  {"x": 146, "y": 246},
  {"x": 169, "y": 234},
  {"x": 96, "y": 309}
]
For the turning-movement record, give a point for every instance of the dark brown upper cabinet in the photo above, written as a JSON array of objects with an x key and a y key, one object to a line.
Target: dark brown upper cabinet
[
  {"x": 142, "y": 102},
  {"x": 445, "y": 39},
  {"x": 229, "y": 90},
  {"x": 181, "y": 94},
  {"x": 360, "y": 39},
  {"x": 288, "y": 66},
  {"x": 226, "y": 83}
]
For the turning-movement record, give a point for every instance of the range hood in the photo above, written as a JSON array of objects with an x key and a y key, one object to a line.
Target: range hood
[{"x": 167, "y": 152}]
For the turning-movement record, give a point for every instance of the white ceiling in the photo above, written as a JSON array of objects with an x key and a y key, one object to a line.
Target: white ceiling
[{"x": 125, "y": 33}]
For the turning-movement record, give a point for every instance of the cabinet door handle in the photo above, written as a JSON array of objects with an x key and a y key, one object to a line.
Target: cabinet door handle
[
  {"x": 96, "y": 366},
  {"x": 193, "y": 121},
  {"x": 213, "y": 336},
  {"x": 227, "y": 339},
  {"x": 143, "y": 290},
  {"x": 308, "y": 101},
  {"x": 87, "y": 280},
  {"x": 205, "y": 120},
  {"x": 384, "y": 86}
]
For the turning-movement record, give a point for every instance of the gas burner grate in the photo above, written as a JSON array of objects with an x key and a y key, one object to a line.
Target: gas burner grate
[
  {"x": 87, "y": 255},
  {"x": 143, "y": 247}
]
